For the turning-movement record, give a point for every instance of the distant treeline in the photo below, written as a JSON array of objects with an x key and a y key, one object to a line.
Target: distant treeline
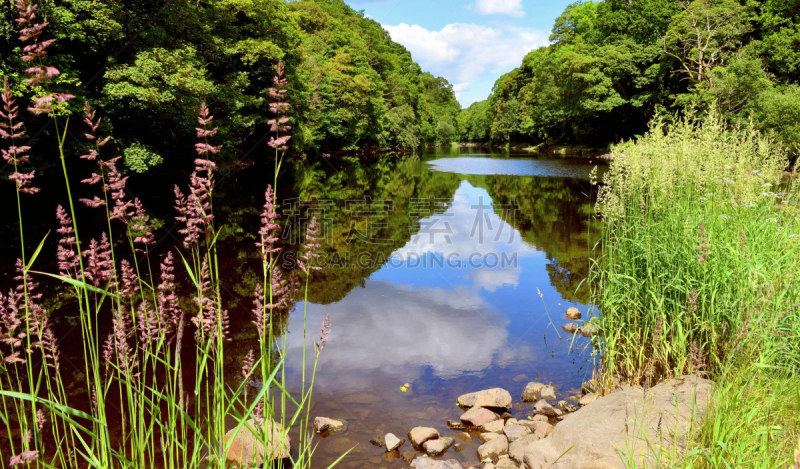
[
  {"x": 614, "y": 64},
  {"x": 146, "y": 65}
]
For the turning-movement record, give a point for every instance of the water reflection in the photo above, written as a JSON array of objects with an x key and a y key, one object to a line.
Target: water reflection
[{"x": 454, "y": 304}]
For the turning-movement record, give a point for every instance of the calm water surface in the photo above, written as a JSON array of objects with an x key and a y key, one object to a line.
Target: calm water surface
[{"x": 456, "y": 305}]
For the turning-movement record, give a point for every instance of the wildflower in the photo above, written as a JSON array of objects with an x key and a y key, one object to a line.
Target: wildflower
[
  {"x": 724, "y": 217},
  {"x": 149, "y": 323},
  {"x": 10, "y": 129},
  {"x": 25, "y": 457},
  {"x": 268, "y": 233},
  {"x": 766, "y": 185},
  {"x": 309, "y": 255},
  {"x": 66, "y": 252},
  {"x": 247, "y": 366},
  {"x": 206, "y": 320},
  {"x": 167, "y": 299},
  {"x": 325, "y": 331},
  {"x": 117, "y": 349},
  {"x": 794, "y": 236},
  {"x": 99, "y": 266},
  {"x": 116, "y": 186},
  {"x": 280, "y": 123},
  {"x": 772, "y": 220},
  {"x": 140, "y": 225},
  {"x": 205, "y": 119},
  {"x": 697, "y": 358},
  {"x": 130, "y": 281},
  {"x": 729, "y": 180},
  {"x": 93, "y": 154},
  {"x": 261, "y": 311},
  {"x": 691, "y": 307}
]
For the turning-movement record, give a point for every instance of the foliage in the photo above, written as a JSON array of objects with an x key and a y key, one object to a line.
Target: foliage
[{"x": 615, "y": 64}]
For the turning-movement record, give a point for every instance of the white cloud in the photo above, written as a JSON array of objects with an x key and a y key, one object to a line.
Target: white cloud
[
  {"x": 471, "y": 56},
  {"x": 502, "y": 7}
]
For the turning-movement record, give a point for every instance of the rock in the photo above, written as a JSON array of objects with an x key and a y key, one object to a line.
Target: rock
[
  {"x": 464, "y": 436},
  {"x": 543, "y": 408},
  {"x": 458, "y": 447},
  {"x": 478, "y": 416},
  {"x": 438, "y": 446},
  {"x": 495, "y": 397},
  {"x": 571, "y": 327},
  {"x": 393, "y": 442},
  {"x": 495, "y": 426},
  {"x": 566, "y": 406},
  {"x": 626, "y": 425},
  {"x": 541, "y": 429},
  {"x": 407, "y": 456},
  {"x": 532, "y": 391},
  {"x": 505, "y": 462},
  {"x": 587, "y": 399},
  {"x": 484, "y": 437},
  {"x": 589, "y": 329},
  {"x": 419, "y": 435},
  {"x": 246, "y": 449},
  {"x": 548, "y": 392},
  {"x": 573, "y": 313},
  {"x": 540, "y": 418},
  {"x": 489, "y": 465},
  {"x": 326, "y": 426},
  {"x": 492, "y": 449},
  {"x": 455, "y": 425},
  {"x": 378, "y": 441},
  {"x": 515, "y": 431},
  {"x": 425, "y": 462}
]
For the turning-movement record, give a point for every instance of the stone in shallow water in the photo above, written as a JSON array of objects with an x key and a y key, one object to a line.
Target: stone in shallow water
[
  {"x": 478, "y": 416},
  {"x": 438, "y": 446},
  {"x": 494, "y": 397},
  {"x": 492, "y": 449},
  {"x": 515, "y": 431},
  {"x": 542, "y": 407},
  {"x": 532, "y": 391},
  {"x": 425, "y": 462},
  {"x": 419, "y": 435},
  {"x": 548, "y": 392},
  {"x": 247, "y": 450},
  {"x": 573, "y": 313},
  {"x": 570, "y": 327},
  {"x": 326, "y": 426},
  {"x": 392, "y": 442}
]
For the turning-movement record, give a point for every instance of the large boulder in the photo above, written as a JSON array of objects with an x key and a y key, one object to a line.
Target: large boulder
[
  {"x": 246, "y": 448},
  {"x": 639, "y": 425},
  {"x": 495, "y": 397}
]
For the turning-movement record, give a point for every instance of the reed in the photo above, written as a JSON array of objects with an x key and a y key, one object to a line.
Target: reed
[{"x": 697, "y": 273}]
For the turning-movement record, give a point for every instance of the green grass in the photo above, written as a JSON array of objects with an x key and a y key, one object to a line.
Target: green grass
[{"x": 698, "y": 272}]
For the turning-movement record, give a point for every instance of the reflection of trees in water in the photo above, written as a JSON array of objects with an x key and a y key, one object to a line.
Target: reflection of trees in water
[{"x": 554, "y": 215}]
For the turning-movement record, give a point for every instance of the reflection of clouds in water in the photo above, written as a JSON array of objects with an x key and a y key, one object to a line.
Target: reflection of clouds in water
[
  {"x": 491, "y": 280},
  {"x": 469, "y": 226},
  {"x": 399, "y": 331}
]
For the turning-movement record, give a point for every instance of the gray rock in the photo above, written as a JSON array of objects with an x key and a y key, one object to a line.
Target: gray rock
[
  {"x": 419, "y": 435},
  {"x": 543, "y": 408},
  {"x": 532, "y": 391},
  {"x": 626, "y": 425},
  {"x": 495, "y": 397},
  {"x": 325, "y": 425},
  {"x": 392, "y": 442},
  {"x": 492, "y": 449},
  {"x": 478, "y": 416},
  {"x": 548, "y": 392},
  {"x": 438, "y": 446},
  {"x": 515, "y": 431},
  {"x": 573, "y": 313},
  {"x": 425, "y": 462}
]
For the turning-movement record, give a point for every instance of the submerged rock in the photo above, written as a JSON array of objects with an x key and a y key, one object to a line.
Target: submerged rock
[
  {"x": 425, "y": 462},
  {"x": 573, "y": 313},
  {"x": 548, "y": 392},
  {"x": 589, "y": 329},
  {"x": 392, "y": 442},
  {"x": 326, "y": 426},
  {"x": 419, "y": 435},
  {"x": 532, "y": 391},
  {"x": 571, "y": 327},
  {"x": 494, "y": 397},
  {"x": 247, "y": 450}
]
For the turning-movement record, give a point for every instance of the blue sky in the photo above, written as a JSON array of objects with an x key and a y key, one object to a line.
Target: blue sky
[{"x": 469, "y": 42}]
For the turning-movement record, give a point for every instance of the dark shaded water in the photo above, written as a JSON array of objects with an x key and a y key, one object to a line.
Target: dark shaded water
[{"x": 450, "y": 272}]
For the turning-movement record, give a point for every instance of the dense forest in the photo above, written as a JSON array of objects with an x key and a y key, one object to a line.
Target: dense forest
[
  {"x": 146, "y": 65},
  {"x": 613, "y": 65}
]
